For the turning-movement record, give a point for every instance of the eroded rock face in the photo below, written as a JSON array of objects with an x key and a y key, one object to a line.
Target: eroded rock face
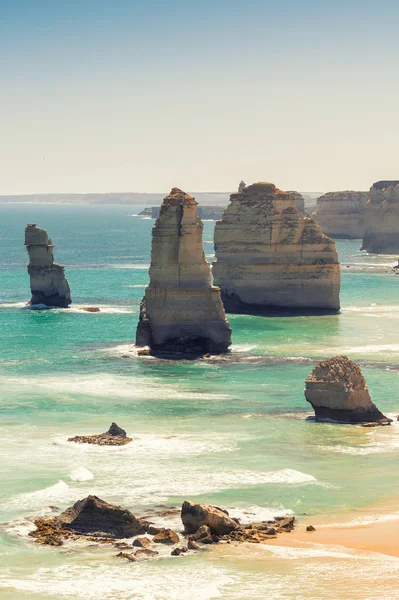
[
  {"x": 337, "y": 391},
  {"x": 341, "y": 214},
  {"x": 181, "y": 310},
  {"x": 194, "y": 516},
  {"x": 269, "y": 255},
  {"x": 91, "y": 517},
  {"x": 381, "y": 219},
  {"x": 47, "y": 279},
  {"x": 299, "y": 200}
]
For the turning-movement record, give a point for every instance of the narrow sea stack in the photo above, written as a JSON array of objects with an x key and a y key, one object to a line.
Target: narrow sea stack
[
  {"x": 381, "y": 219},
  {"x": 269, "y": 256},
  {"x": 341, "y": 214},
  {"x": 299, "y": 199},
  {"x": 338, "y": 392},
  {"x": 181, "y": 311},
  {"x": 47, "y": 279}
]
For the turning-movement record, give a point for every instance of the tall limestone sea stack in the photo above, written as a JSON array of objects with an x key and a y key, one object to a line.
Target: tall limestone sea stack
[
  {"x": 381, "y": 217},
  {"x": 338, "y": 392},
  {"x": 47, "y": 279},
  {"x": 270, "y": 256},
  {"x": 341, "y": 214},
  {"x": 181, "y": 310},
  {"x": 299, "y": 199}
]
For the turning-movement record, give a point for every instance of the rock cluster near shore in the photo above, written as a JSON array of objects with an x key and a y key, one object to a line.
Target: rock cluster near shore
[
  {"x": 47, "y": 279},
  {"x": 181, "y": 311},
  {"x": 381, "y": 219},
  {"x": 341, "y": 214},
  {"x": 93, "y": 519},
  {"x": 269, "y": 255},
  {"x": 115, "y": 436},
  {"x": 337, "y": 391}
]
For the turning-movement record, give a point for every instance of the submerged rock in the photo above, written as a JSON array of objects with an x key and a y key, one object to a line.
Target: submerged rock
[
  {"x": 341, "y": 214},
  {"x": 270, "y": 256},
  {"x": 381, "y": 217},
  {"x": 195, "y": 516},
  {"x": 181, "y": 311},
  {"x": 91, "y": 517},
  {"x": 338, "y": 392},
  {"x": 91, "y": 309},
  {"x": 47, "y": 279},
  {"x": 115, "y": 436}
]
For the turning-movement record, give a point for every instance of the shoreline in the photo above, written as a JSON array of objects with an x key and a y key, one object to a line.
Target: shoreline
[{"x": 381, "y": 535}]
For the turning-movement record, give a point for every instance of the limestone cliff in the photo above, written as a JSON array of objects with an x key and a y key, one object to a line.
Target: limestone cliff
[
  {"x": 381, "y": 218},
  {"x": 337, "y": 391},
  {"x": 299, "y": 199},
  {"x": 47, "y": 279},
  {"x": 268, "y": 255},
  {"x": 181, "y": 310},
  {"x": 341, "y": 214}
]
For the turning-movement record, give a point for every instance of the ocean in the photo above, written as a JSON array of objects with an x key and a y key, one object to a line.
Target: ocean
[{"x": 230, "y": 431}]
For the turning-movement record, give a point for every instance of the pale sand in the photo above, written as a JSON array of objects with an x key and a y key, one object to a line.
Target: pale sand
[{"x": 380, "y": 536}]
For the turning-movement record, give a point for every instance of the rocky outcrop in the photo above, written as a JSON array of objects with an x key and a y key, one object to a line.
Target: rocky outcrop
[
  {"x": 90, "y": 518},
  {"x": 337, "y": 391},
  {"x": 47, "y": 279},
  {"x": 299, "y": 199},
  {"x": 381, "y": 219},
  {"x": 270, "y": 256},
  {"x": 194, "y": 516},
  {"x": 181, "y": 311},
  {"x": 205, "y": 524},
  {"x": 341, "y": 214},
  {"x": 115, "y": 436}
]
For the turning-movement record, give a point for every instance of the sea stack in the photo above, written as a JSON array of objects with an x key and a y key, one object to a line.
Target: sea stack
[
  {"x": 270, "y": 256},
  {"x": 381, "y": 219},
  {"x": 299, "y": 199},
  {"x": 338, "y": 392},
  {"x": 341, "y": 214},
  {"x": 47, "y": 279},
  {"x": 181, "y": 311}
]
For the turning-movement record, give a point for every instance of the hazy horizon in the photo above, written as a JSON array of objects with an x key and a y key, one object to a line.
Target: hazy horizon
[{"x": 100, "y": 96}]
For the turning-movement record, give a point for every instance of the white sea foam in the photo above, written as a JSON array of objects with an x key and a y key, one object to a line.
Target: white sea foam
[
  {"x": 81, "y": 474},
  {"x": 361, "y": 521},
  {"x": 138, "y": 285},
  {"x": 59, "y": 492},
  {"x": 106, "y": 386},
  {"x": 256, "y": 514},
  {"x": 176, "y": 580},
  {"x": 313, "y": 551}
]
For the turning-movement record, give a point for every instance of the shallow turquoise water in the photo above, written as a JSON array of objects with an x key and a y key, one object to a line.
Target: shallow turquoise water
[{"x": 232, "y": 431}]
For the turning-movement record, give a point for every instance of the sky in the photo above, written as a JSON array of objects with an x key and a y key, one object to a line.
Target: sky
[{"x": 128, "y": 95}]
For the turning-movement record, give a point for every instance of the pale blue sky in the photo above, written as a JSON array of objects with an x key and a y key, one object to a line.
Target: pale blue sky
[{"x": 121, "y": 95}]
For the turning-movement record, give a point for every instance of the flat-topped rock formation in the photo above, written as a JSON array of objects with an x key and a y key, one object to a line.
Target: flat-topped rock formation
[
  {"x": 337, "y": 391},
  {"x": 181, "y": 310},
  {"x": 47, "y": 279},
  {"x": 341, "y": 214},
  {"x": 269, "y": 256},
  {"x": 299, "y": 199},
  {"x": 381, "y": 219}
]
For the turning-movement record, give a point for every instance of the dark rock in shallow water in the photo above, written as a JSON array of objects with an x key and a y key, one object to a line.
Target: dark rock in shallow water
[
  {"x": 166, "y": 536},
  {"x": 92, "y": 309},
  {"x": 338, "y": 392},
  {"x": 90, "y": 518},
  {"x": 194, "y": 516},
  {"x": 115, "y": 436},
  {"x": 115, "y": 430}
]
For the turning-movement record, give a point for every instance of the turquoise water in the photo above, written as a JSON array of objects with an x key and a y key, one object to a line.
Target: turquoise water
[{"x": 229, "y": 430}]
